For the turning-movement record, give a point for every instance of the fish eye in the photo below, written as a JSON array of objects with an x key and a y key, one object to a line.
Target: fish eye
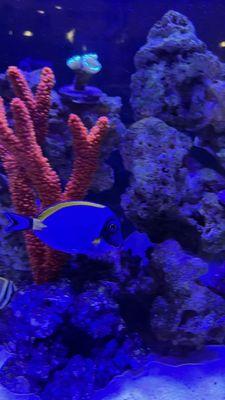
[{"x": 112, "y": 227}]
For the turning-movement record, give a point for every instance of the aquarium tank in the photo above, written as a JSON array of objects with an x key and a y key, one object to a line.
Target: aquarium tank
[{"x": 112, "y": 200}]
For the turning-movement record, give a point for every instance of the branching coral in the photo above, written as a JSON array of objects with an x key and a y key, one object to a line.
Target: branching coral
[
  {"x": 38, "y": 105},
  {"x": 87, "y": 148},
  {"x": 29, "y": 172}
]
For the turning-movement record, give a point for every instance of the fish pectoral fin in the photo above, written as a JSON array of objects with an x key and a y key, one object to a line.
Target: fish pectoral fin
[
  {"x": 96, "y": 241},
  {"x": 38, "y": 225}
]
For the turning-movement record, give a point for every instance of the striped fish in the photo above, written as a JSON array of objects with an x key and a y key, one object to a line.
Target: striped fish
[{"x": 7, "y": 289}]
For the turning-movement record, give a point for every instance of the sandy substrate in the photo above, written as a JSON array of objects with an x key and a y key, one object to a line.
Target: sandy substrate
[{"x": 204, "y": 381}]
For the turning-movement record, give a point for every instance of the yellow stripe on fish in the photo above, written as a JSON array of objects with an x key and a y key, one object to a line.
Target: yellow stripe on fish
[{"x": 58, "y": 206}]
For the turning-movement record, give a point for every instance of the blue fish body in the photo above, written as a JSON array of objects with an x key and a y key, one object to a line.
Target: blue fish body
[{"x": 73, "y": 226}]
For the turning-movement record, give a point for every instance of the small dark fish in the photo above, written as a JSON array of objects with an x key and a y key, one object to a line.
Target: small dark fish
[{"x": 7, "y": 289}]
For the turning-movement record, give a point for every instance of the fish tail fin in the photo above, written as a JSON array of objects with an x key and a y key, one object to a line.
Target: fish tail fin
[{"x": 17, "y": 222}]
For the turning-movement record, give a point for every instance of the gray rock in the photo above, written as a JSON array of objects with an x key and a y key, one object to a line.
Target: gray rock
[
  {"x": 185, "y": 313},
  {"x": 204, "y": 212},
  {"x": 177, "y": 78},
  {"x": 153, "y": 153}
]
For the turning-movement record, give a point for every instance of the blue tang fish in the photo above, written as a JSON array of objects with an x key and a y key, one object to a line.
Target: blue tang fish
[{"x": 72, "y": 226}]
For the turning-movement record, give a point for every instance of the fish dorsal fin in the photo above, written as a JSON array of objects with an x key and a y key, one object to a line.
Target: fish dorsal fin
[{"x": 49, "y": 211}]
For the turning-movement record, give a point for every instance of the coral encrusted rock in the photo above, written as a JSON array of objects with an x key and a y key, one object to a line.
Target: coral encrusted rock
[
  {"x": 153, "y": 153},
  {"x": 185, "y": 313},
  {"x": 177, "y": 79}
]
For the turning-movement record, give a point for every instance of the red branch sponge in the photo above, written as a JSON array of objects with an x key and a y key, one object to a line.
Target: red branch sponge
[{"x": 29, "y": 171}]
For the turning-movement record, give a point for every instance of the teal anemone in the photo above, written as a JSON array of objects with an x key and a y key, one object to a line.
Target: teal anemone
[{"x": 88, "y": 63}]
